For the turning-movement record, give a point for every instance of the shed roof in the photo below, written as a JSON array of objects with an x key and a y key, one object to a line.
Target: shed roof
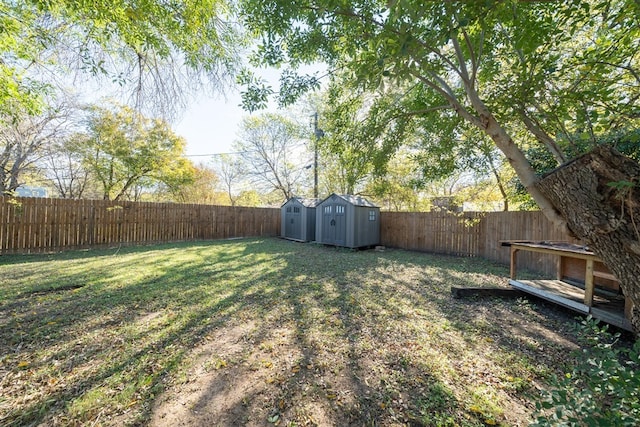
[
  {"x": 354, "y": 200},
  {"x": 306, "y": 202}
]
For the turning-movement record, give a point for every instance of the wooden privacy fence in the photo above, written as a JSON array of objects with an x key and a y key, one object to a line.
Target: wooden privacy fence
[
  {"x": 472, "y": 234},
  {"x": 30, "y": 225},
  {"x": 43, "y": 225}
]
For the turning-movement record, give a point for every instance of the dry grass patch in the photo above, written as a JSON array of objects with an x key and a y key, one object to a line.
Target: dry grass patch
[{"x": 267, "y": 332}]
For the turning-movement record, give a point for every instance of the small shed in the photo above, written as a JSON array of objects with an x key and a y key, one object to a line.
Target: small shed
[
  {"x": 298, "y": 219},
  {"x": 347, "y": 220}
]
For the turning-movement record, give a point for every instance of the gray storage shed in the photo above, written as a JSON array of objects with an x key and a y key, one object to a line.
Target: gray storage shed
[
  {"x": 298, "y": 219},
  {"x": 346, "y": 220}
]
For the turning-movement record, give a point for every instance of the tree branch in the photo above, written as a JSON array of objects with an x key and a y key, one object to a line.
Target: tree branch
[
  {"x": 448, "y": 94},
  {"x": 464, "y": 73},
  {"x": 543, "y": 137}
]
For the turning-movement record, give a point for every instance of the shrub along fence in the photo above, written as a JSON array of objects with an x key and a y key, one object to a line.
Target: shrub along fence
[{"x": 29, "y": 225}]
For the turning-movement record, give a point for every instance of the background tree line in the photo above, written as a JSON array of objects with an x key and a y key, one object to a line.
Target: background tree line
[
  {"x": 114, "y": 152},
  {"x": 145, "y": 55}
]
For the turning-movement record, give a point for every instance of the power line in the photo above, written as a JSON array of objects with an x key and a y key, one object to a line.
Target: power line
[{"x": 235, "y": 153}]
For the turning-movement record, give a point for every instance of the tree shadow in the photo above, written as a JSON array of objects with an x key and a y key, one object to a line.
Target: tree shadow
[{"x": 326, "y": 337}]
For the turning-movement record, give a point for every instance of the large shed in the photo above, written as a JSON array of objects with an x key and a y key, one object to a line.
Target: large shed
[
  {"x": 347, "y": 220},
  {"x": 298, "y": 219}
]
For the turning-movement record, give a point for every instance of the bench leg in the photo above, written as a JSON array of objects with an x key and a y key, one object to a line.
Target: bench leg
[
  {"x": 588, "y": 284},
  {"x": 513, "y": 269}
]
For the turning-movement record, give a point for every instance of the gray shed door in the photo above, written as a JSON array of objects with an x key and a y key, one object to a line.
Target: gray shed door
[
  {"x": 293, "y": 222},
  {"x": 334, "y": 224}
]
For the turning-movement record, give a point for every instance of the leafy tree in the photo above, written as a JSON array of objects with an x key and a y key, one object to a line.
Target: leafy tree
[
  {"x": 248, "y": 198},
  {"x": 123, "y": 149},
  {"x": 356, "y": 153},
  {"x": 271, "y": 147},
  {"x": 19, "y": 41},
  {"x": 482, "y": 194},
  {"x": 201, "y": 188},
  {"x": 489, "y": 167},
  {"x": 398, "y": 189},
  {"x": 359, "y": 136},
  {"x": 536, "y": 71},
  {"x": 156, "y": 52}
]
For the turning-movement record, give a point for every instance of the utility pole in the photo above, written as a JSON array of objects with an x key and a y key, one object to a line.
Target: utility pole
[{"x": 318, "y": 134}]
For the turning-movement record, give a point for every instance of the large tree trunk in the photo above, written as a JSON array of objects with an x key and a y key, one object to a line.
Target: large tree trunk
[{"x": 598, "y": 195}]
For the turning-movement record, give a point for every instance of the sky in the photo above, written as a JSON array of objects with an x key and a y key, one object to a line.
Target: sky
[
  {"x": 210, "y": 126},
  {"x": 211, "y": 123}
]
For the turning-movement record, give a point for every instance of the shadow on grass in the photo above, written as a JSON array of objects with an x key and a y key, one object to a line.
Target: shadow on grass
[{"x": 368, "y": 338}]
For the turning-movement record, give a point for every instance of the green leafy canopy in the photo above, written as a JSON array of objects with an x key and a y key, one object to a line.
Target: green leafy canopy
[
  {"x": 549, "y": 68},
  {"x": 156, "y": 50}
]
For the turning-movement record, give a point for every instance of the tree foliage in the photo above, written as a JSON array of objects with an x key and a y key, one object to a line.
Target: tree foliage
[
  {"x": 543, "y": 71},
  {"x": 603, "y": 388},
  {"x": 157, "y": 52},
  {"x": 123, "y": 149},
  {"x": 360, "y": 134},
  {"x": 230, "y": 170},
  {"x": 398, "y": 189},
  {"x": 20, "y": 38},
  {"x": 365, "y": 132},
  {"x": 200, "y": 188},
  {"x": 66, "y": 172}
]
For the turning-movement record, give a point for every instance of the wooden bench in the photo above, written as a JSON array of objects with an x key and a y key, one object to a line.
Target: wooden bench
[{"x": 567, "y": 254}]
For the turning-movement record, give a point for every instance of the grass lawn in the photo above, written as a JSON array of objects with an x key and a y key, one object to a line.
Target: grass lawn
[{"x": 267, "y": 332}]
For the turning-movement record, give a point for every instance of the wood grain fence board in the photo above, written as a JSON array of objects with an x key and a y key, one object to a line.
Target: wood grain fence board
[
  {"x": 19, "y": 222},
  {"x": 142, "y": 225},
  {"x": 107, "y": 223},
  {"x": 108, "y": 212},
  {"x": 38, "y": 226},
  {"x": 11, "y": 237},
  {"x": 4, "y": 224},
  {"x": 179, "y": 220},
  {"x": 32, "y": 230},
  {"x": 157, "y": 222},
  {"x": 70, "y": 227},
  {"x": 46, "y": 226},
  {"x": 25, "y": 229},
  {"x": 66, "y": 222},
  {"x": 81, "y": 230},
  {"x": 19, "y": 230},
  {"x": 99, "y": 224},
  {"x": 4, "y": 227},
  {"x": 42, "y": 226},
  {"x": 67, "y": 226},
  {"x": 175, "y": 219}
]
